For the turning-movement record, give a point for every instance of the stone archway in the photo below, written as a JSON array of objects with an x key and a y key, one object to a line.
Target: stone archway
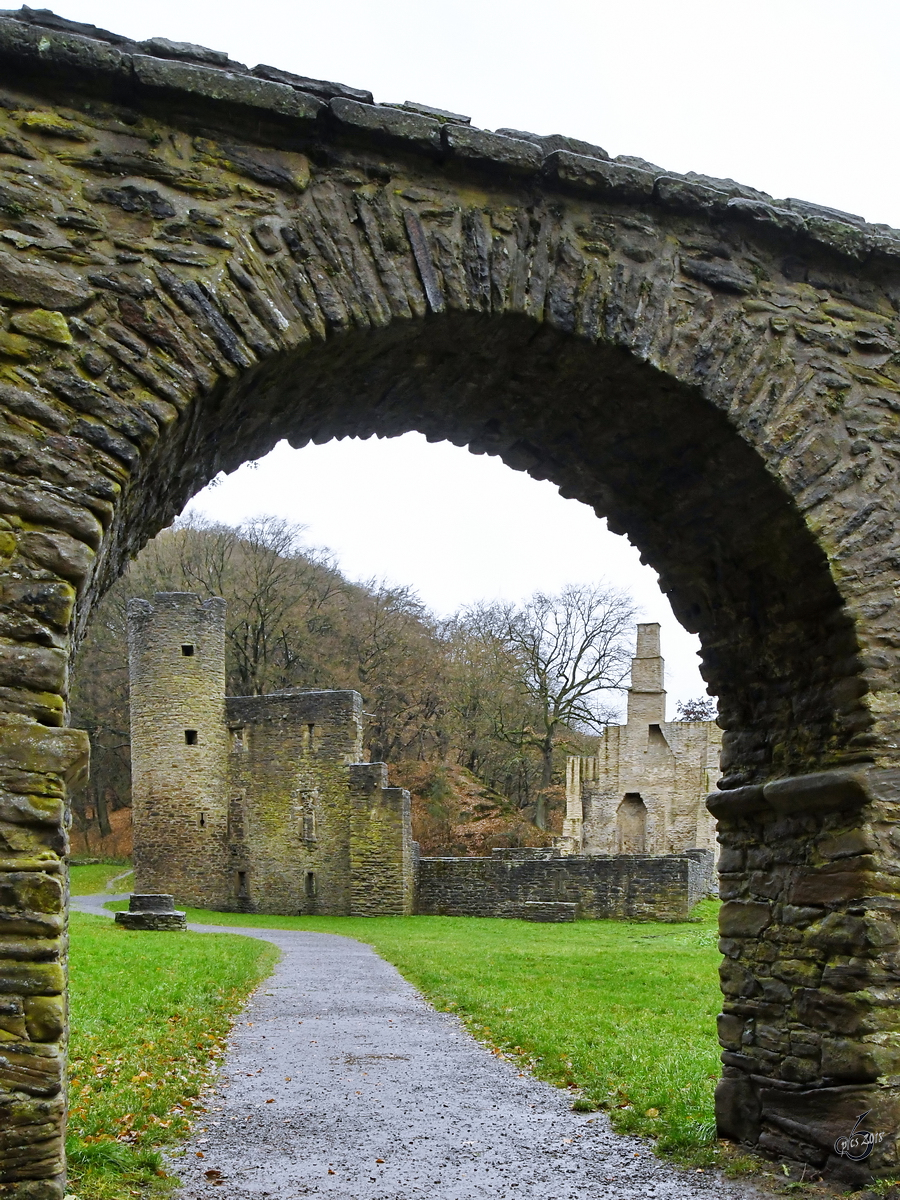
[{"x": 199, "y": 260}]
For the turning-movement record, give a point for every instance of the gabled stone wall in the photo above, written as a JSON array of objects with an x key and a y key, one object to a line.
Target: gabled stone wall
[{"x": 644, "y": 790}]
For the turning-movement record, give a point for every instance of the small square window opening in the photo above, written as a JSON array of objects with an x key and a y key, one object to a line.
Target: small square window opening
[
  {"x": 187, "y": 650},
  {"x": 190, "y": 737}
]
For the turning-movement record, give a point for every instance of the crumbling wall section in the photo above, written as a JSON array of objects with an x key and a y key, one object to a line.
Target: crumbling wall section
[{"x": 381, "y": 847}]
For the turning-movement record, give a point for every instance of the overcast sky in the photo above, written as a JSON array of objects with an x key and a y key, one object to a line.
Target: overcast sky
[{"x": 797, "y": 97}]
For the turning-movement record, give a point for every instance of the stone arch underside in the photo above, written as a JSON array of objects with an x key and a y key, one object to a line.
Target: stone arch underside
[{"x": 197, "y": 260}]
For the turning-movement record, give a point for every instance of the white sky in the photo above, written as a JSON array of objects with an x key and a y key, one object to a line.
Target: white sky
[{"x": 797, "y": 97}]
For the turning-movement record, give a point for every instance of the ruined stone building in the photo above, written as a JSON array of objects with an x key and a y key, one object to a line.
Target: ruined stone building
[
  {"x": 261, "y": 803},
  {"x": 253, "y": 803},
  {"x": 644, "y": 791}
]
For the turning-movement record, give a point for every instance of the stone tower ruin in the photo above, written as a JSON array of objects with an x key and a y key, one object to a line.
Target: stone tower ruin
[
  {"x": 253, "y": 803},
  {"x": 176, "y": 651}
]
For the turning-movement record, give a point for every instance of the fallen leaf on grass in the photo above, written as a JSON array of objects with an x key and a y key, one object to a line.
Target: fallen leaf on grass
[
  {"x": 270, "y": 1101},
  {"x": 200, "y": 1154}
]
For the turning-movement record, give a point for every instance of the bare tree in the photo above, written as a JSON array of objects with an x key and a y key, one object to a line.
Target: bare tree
[
  {"x": 565, "y": 655},
  {"x": 701, "y": 708},
  {"x": 400, "y": 671},
  {"x": 278, "y": 592}
]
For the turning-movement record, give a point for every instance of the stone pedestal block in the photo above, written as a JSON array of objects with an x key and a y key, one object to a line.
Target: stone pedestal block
[{"x": 152, "y": 912}]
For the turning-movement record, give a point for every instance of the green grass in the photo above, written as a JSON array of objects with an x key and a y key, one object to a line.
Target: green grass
[
  {"x": 150, "y": 1014},
  {"x": 622, "y": 1014},
  {"x": 96, "y": 877}
]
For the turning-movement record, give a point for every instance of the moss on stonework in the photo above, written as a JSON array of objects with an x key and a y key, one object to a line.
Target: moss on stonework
[{"x": 41, "y": 323}]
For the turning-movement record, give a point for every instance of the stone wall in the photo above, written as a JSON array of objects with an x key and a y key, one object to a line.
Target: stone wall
[
  {"x": 382, "y": 866},
  {"x": 287, "y": 845},
  {"x": 631, "y": 887}
]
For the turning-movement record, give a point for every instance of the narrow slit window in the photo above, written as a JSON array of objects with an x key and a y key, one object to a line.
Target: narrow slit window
[
  {"x": 203, "y": 820},
  {"x": 237, "y": 740},
  {"x": 187, "y": 649},
  {"x": 310, "y": 738},
  {"x": 309, "y": 884},
  {"x": 190, "y": 737},
  {"x": 242, "y": 885}
]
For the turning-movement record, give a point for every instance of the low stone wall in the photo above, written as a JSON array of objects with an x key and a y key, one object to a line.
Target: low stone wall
[{"x": 638, "y": 887}]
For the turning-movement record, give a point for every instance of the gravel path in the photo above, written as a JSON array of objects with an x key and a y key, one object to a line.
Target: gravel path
[{"x": 341, "y": 1081}]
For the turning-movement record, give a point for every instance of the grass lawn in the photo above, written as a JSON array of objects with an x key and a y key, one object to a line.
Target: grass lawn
[
  {"x": 622, "y": 1014},
  {"x": 149, "y": 1014},
  {"x": 96, "y": 877}
]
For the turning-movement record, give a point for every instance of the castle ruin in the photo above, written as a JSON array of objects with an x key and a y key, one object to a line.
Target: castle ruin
[
  {"x": 645, "y": 789},
  {"x": 253, "y": 803}
]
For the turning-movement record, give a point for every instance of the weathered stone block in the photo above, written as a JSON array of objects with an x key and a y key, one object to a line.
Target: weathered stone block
[
  {"x": 823, "y": 1010},
  {"x": 822, "y": 888},
  {"x": 50, "y": 326},
  {"x": 28, "y": 282},
  {"x": 506, "y": 152},
  {"x": 393, "y": 124},
  {"x": 821, "y": 792},
  {"x": 731, "y": 1029},
  {"x": 744, "y": 918},
  {"x": 847, "y": 844},
  {"x": 25, "y": 745},
  {"x": 223, "y": 86},
  {"x": 45, "y": 1018},
  {"x": 737, "y": 1109},
  {"x": 31, "y": 1068},
  {"x": 594, "y": 175}
]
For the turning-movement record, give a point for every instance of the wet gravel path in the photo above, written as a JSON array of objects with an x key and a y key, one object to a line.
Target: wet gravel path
[{"x": 342, "y": 1081}]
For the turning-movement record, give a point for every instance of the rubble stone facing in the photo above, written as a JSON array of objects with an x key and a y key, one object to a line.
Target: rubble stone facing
[
  {"x": 535, "y": 884},
  {"x": 713, "y": 369}
]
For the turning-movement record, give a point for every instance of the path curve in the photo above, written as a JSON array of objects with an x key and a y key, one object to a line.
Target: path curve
[{"x": 341, "y": 1081}]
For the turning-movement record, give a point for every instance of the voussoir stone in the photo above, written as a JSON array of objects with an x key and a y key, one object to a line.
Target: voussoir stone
[{"x": 26, "y": 281}]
